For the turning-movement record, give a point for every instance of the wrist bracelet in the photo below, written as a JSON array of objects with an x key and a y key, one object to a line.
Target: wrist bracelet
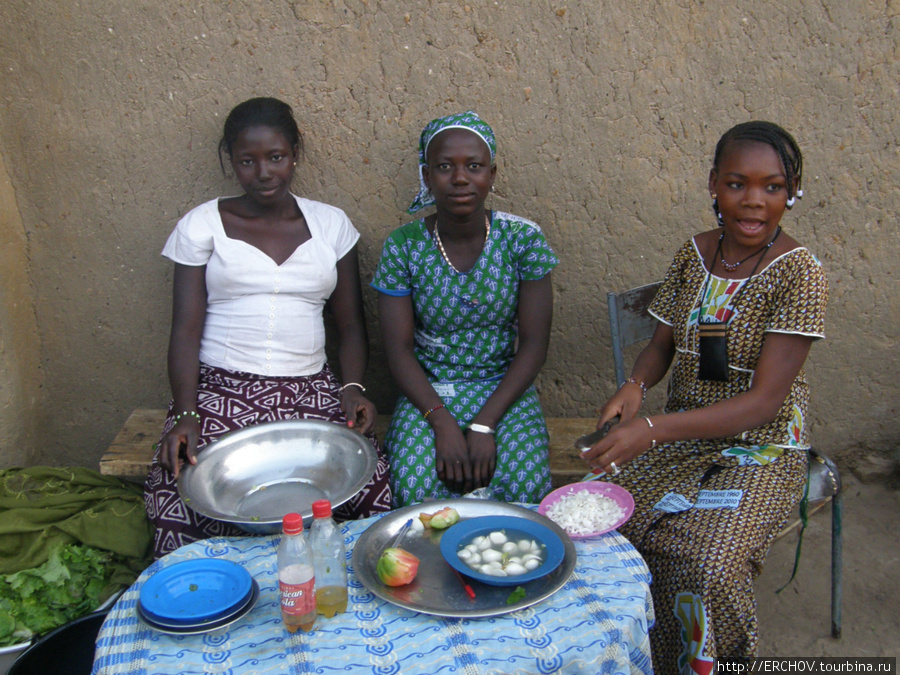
[
  {"x": 482, "y": 429},
  {"x": 632, "y": 380},
  {"x": 353, "y": 384},
  {"x": 187, "y": 413},
  {"x": 431, "y": 410},
  {"x": 652, "y": 440}
]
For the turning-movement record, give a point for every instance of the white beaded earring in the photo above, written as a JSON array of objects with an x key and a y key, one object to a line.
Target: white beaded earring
[
  {"x": 715, "y": 208},
  {"x": 793, "y": 200}
]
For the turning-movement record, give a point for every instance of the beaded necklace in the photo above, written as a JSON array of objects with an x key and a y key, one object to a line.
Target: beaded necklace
[
  {"x": 437, "y": 237},
  {"x": 731, "y": 267},
  {"x": 746, "y": 283}
]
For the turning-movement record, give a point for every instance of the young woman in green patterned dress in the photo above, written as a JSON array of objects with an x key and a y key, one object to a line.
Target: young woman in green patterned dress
[
  {"x": 716, "y": 477},
  {"x": 465, "y": 303}
]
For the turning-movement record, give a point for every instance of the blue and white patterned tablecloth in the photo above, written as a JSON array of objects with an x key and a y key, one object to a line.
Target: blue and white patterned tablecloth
[{"x": 597, "y": 623}]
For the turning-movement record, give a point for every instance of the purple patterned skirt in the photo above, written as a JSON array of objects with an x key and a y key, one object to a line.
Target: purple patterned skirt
[{"x": 227, "y": 401}]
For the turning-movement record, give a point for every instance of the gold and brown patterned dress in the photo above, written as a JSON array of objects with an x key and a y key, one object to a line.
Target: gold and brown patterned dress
[{"x": 708, "y": 510}]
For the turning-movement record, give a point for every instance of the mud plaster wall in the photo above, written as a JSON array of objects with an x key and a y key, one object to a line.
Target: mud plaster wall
[
  {"x": 20, "y": 373},
  {"x": 606, "y": 113}
]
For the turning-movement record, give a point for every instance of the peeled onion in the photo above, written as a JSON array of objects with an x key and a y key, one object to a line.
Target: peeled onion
[
  {"x": 491, "y": 555},
  {"x": 512, "y": 569},
  {"x": 495, "y": 554},
  {"x": 498, "y": 538}
]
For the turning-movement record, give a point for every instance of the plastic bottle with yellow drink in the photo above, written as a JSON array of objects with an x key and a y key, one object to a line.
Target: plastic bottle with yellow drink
[{"x": 329, "y": 560}]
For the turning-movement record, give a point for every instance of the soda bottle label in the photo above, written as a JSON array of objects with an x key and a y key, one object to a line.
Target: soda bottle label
[{"x": 298, "y": 599}]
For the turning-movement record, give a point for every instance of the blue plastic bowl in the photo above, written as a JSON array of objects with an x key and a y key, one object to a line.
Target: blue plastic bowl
[{"x": 460, "y": 535}]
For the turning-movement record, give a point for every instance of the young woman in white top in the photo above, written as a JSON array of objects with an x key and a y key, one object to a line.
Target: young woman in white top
[{"x": 253, "y": 274}]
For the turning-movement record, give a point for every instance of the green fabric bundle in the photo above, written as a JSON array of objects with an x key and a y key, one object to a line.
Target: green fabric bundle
[{"x": 69, "y": 539}]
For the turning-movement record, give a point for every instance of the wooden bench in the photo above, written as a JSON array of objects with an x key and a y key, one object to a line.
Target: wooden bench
[{"x": 131, "y": 451}]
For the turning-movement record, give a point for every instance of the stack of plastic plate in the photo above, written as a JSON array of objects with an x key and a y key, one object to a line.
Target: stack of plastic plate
[{"x": 197, "y": 596}]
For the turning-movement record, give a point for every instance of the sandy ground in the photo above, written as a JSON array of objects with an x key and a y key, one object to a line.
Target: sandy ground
[{"x": 797, "y": 622}]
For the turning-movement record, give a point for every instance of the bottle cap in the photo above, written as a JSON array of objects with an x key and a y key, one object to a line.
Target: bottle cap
[
  {"x": 321, "y": 508},
  {"x": 292, "y": 523}
]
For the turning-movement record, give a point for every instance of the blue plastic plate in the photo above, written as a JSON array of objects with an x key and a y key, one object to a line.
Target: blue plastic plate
[
  {"x": 203, "y": 626},
  {"x": 461, "y": 534},
  {"x": 195, "y": 591}
]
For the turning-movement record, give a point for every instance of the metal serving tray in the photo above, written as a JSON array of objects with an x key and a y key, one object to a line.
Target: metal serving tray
[{"x": 436, "y": 590}]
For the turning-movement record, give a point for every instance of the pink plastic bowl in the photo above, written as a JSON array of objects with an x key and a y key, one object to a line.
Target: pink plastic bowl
[{"x": 619, "y": 495}]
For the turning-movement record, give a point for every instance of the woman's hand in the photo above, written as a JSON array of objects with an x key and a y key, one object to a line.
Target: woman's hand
[
  {"x": 632, "y": 435},
  {"x": 483, "y": 455},
  {"x": 451, "y": 460},
  {"x": 359, "y": 411},
  {"x": 451, "y": 455},
  {"x": 625, "y": 441},
  {"x": 625, "y": 403},
  {"x": 650, "y": 367},
  {"x": 184, "y": 435}
]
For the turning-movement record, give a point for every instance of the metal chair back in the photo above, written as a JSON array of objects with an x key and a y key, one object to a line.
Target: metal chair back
[{"x": 629, "y": 321}]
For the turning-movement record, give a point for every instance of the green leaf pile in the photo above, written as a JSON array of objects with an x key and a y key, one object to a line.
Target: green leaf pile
[{"x": 37, "y": 600}]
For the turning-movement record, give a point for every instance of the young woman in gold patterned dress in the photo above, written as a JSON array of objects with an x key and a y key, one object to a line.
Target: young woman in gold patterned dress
[{"x": 717, "y": 476}]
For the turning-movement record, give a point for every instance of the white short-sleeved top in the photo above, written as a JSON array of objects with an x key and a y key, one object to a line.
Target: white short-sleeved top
[{"x": 261, "y": 317}]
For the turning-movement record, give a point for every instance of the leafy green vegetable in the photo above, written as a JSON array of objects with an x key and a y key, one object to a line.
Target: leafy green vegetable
[
  {"x": 39, "y": 599},
  {"x": 515, "y": 596}
]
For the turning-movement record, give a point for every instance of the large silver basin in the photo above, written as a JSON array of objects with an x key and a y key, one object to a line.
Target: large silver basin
[{"x": 253, "y": 476}]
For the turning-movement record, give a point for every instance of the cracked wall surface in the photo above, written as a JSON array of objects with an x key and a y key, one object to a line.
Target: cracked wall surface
[{"x": 606, "y": 115}]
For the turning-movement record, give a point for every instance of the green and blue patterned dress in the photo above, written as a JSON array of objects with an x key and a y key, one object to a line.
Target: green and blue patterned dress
[{"x": 465, "y": 340}]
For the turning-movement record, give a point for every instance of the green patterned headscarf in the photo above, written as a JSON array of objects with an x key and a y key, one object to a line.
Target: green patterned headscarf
[{"x": 465, "y": 120}]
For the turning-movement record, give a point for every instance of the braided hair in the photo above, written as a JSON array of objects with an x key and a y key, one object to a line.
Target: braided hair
[
  {"x": 260, "y": 112},
  {"x": 770, "y": 134}
]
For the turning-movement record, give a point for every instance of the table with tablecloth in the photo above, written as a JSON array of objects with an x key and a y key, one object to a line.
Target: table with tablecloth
[{"x": 596, "y": 623}]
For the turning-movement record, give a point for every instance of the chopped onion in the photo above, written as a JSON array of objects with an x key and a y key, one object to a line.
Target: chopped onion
[{"x": 585, "y": 512}]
